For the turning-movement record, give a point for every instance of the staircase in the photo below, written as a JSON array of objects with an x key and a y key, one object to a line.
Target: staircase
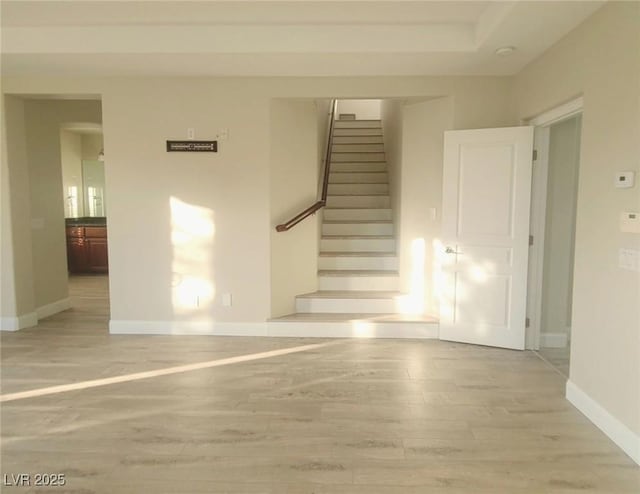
[
  {"x": 358, "y": 266},
  {"x": 358, "y": 280}
]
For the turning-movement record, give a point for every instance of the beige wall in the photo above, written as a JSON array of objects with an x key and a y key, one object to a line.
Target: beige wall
[
  {"x": 363, "y": 109},
  {"x": 391, "y": 116},
  {"x": 43, "y": 119},
  {"x": 600, "y": 60},
  {"x": 294, "y": 185},
  {"x": 71, "y": 161},
  {"x": 562, "y": 191},
  {"x": 17, "y": 296},
  {"x": 185, "y": 228},
  {"x": 92, "y": 144},
  {"x": 424, "y": 124}
]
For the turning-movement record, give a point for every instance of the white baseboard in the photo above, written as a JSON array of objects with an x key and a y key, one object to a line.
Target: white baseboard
[
  {"x": 187, "y": 328},
  {"x": 53, "y": 308},
  {"x": 553, "y": 340},
  {"x": 278, "y": 329},
  {"x": 19, "y": 322},
  {"x": 619, "y": 433}
]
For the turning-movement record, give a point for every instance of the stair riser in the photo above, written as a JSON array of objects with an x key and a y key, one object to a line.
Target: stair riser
[
  {"x": 357, "y": 189},
  {"x": 346, "y": 305},
  {"x": 356, "y": 132},
  {"x": 357, "y": 139},
  {"x": 365, "y": 283},
  {"x": 357, "y": 229},
  {"x": 357, "y": 214},
  {"x": 358, "y": 178},
  {"x": 359, "y": 167},
  {"x": 356, "y": 157},
  {"x": 357, "y": 124},
  {"x": 348, "y": 262},
  {"x": 378, "y": 202},
  {"x": 357, "y": 245},
  {"x": 357, "y": 148}
]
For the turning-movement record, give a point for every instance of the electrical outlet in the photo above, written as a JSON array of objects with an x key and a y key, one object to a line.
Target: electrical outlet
[{"x": 191, "y": 133}]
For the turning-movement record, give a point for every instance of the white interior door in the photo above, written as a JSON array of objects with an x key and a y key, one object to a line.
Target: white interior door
[{"x": 485, "y": 225}]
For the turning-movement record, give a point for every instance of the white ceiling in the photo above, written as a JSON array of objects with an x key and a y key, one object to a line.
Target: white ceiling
[{"x": 294, "y": 38}]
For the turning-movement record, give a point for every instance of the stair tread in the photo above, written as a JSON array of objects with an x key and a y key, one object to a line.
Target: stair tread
[
  {"x": 368, "y": 194},
  {"x": 357, "y": 222},
  {"x": 356, "y": 254},
  {"x": 347, "y": 317},
  {"x": 356, "y": 272},
  {"x": 358, "y": 207},
  {"x": 332, "y": 294},
  {"x": 353, "y": 194},
  {"x": 371, "y": 237}
]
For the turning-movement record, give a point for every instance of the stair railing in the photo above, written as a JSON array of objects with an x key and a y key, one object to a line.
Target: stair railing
[{"x": 322, "y": 202}]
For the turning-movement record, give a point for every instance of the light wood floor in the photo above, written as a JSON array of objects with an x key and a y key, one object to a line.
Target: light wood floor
[
  {"x": 355, "y": 417},
  {"x": 558, "y": 357}
]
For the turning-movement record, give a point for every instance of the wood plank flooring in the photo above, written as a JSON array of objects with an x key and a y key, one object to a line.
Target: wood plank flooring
[{"x": 354, "y": 417}]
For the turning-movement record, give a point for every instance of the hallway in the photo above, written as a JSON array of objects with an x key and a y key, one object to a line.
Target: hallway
[{"x": 350, "y": 416}]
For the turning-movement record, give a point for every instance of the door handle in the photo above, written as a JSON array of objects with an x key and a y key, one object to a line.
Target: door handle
[{"x": 450, "y": 250}]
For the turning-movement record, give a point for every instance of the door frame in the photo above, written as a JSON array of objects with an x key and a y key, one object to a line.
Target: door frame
[{"x": 542, "y": 124}]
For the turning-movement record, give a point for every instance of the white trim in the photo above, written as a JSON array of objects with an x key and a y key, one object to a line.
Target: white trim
[
  {"x": 53, "y": 308},
  {"x": 619, "y": 433},
  {"x": 553, "y": 340},
  {"x": 559, "y": 113},
  {"x": 20, "y": 322},
  {"x": 537, "y": 229},
  {"x": 280, "y": 329}
]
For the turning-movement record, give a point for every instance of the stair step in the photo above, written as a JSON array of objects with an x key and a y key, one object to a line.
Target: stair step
[
  {"x": 358, "y": 189},
  {"x": 341, "y": 305},
  {"x": 358, "y": 280},
  {"x": 357, "y": 272},
  {"x": 356, "y": 254},
  {"x": 361, "y": 201},
  {"x": 364, "y": 260},
  {"x": 359, "y": 167},
  {"x": 374, "y": 139},
  {"x": 357, "y": 244},
  {"x": 349, "y": 302},
  {"x": 351, "y": 214},
  {"x": 357, "y": 148},
  {"x": 361, "y": 228},
  {"x": 357, "y": 157},
  {"x": 358, "y": 178},
  {"x": 357, "y": 132},
  {"x": 357, "y": 124}
]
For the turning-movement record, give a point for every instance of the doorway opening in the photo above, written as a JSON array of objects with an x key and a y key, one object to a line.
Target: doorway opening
[
  {"x": 554, "y": 205},
  {"x": 82, "y": 160}
]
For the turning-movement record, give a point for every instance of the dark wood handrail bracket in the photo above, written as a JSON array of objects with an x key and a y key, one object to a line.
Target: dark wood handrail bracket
[{"x": 320, "y": 203}]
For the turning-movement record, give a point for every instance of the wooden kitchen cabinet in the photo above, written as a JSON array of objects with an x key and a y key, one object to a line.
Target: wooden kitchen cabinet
[{"x": 87, "y": 250}]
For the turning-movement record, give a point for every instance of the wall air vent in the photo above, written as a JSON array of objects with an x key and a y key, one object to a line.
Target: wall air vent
[{"x": 192, "y": 146}]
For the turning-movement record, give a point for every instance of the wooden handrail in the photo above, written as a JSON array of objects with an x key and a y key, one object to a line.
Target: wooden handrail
[{"x": 320, "y": 203}]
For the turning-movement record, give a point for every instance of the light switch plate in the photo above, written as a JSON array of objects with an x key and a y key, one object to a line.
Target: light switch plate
[
  {"x": 227, "y": 300},
  {"x": 624, "y": 180}
]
